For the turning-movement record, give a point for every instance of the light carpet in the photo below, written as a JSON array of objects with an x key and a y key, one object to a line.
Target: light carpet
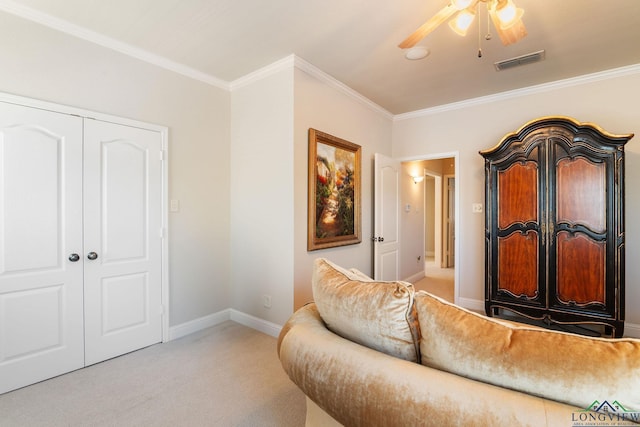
[
  {"x": 437, "y": 281},
  {"x": 226, "y": 375}
]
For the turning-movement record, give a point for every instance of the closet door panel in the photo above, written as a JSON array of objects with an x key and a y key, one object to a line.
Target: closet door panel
[
  {"x": 123, "y": 229},
  {"x": 41, "y": 296}
]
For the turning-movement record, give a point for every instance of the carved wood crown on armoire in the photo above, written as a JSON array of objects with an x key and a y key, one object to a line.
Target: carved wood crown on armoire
[{"x": 554, "y": 231}]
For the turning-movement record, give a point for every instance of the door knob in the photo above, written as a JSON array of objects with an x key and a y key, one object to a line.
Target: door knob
[
  {"x": 74, "y": 257},
  {"x": 92, "y": 255}
]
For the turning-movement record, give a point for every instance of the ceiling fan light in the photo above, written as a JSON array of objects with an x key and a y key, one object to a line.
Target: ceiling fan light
[
  {"x": 462, "y": 22},
  {"x": 461, "y": 4},
  {"x": 508, "y": 14}
]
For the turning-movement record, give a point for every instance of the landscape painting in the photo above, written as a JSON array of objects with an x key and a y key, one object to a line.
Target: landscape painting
[{"x": 334, "y": 192}]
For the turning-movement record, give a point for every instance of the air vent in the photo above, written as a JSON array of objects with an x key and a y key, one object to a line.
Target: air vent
[{"x": 529, "y": 58}]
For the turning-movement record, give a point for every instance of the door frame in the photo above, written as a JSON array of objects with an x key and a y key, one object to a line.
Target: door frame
[
  {"x": 456, "y": 162},
  {"x": 446, "y": 234},
  {"x": 437, "y": 226},
  {"x": 164, "y": 133}
]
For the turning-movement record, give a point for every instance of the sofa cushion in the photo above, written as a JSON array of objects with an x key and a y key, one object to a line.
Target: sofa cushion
[
  {"x": 568, "y": 368},
  {"x": 379, "y": 315}
]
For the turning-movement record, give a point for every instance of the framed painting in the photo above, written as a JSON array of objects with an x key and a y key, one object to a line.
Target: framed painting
[{"x": 334, "y": 192}]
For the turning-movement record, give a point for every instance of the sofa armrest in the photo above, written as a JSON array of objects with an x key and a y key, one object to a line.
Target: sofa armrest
[{"x": 358, "y": 386}]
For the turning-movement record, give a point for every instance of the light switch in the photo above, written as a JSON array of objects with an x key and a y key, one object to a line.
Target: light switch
[{"x": 174, "y": 205}]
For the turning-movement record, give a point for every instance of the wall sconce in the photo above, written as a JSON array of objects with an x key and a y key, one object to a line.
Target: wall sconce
[{"x": 417, "y": 179}]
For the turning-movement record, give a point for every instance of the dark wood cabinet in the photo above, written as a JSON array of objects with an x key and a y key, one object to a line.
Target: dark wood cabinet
[{"x": 554, "y": 231}]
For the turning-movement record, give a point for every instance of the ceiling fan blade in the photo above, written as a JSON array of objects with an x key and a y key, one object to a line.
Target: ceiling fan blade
[
  {"x": 510, "y": 35},
  {"x": 444, "y": 14}
]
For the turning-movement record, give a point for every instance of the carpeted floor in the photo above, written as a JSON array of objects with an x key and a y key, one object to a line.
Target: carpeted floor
[
  {"x": 437, "y": 281},
  {"x": 226, "y": 375}
]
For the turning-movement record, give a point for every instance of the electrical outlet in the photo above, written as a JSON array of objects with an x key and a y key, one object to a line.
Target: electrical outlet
[
  {"x": 476, "y": 208},
  {"x": 266, "y": 301}
]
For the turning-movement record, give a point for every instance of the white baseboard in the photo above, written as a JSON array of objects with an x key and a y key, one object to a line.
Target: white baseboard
[
  {"x": 204, "y": 322},
  {"x": 631, "y": 330},
  {"x": 196, "y": 325},
  {"x": 415, "y": 277},
  {"x": 256, "y": 323},
  {"x": 471, "y": 304}
]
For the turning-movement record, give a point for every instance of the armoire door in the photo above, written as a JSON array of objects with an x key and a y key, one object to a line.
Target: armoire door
[
  {"x": 580, "y": 229},
  {"x": 41, "y": 296},
  {"x": 516, "y": 211},
  {"x": 122, "y": 239}
]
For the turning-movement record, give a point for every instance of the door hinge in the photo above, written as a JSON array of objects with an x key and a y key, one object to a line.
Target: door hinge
[
  {"x": 163, "y": 232},
  {"x": 162, "y": 155}
]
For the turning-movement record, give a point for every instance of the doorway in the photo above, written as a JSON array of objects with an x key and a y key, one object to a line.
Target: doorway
[{"x": 439, "y": 193}]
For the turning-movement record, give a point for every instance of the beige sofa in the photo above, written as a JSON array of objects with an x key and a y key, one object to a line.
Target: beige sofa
[{"x": 369, "y": 353}]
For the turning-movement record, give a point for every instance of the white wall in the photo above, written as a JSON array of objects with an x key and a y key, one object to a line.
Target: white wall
[
  {"x": 42, "y": 63},
  {"x": 322, "y": 106},
  {"x": 611, "y": 103},
  {"x": 262, "y": 198}
]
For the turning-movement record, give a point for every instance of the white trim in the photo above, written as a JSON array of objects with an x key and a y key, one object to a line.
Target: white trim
[
  {"x": 416, "y": 277},
  {"x": 471, "y": 304},
  {"x": 164, "y": 273},
  {"x": 81, "y": 112},
  {"x": 199, "y": 324},
  {"x": 214, "y": 319},
  {"x": 299, "y": 63},
  {"x": 516, "y": 93},
  {"x": 314, "y": 71},
  {"x": 108, "y": 42},
  {"x": 256, "y": 323},
  {"x": 631, "y": 330},
  {"x": 264, "y": 72}
]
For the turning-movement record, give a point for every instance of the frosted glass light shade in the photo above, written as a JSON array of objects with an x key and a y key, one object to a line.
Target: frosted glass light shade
[{"x": 462, "y": 22}]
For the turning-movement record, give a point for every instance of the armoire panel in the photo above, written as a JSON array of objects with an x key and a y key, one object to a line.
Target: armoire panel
[{"x": 518, "y": 194}]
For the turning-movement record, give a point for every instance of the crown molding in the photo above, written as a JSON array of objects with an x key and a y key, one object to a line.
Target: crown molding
[
  {"x": 299, "y": 63},
  {"x": 516, "y": 93},
  {"x": 282, "y": 64},
  {"x": 108, "y": 42},
  {"x": 314, "y": 71}
]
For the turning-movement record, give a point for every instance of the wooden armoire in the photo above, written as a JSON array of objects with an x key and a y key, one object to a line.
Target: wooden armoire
[{"x": 554, "y": 233}]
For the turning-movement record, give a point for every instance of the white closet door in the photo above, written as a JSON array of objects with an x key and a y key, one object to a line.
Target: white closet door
[
  {"x": 41, "y": 332},
  {"x": 122, "y": 232}
]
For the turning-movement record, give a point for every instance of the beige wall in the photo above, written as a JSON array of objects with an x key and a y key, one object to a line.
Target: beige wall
[
  {"x": 44, "y": 64},
  {"x": 321, "y": 106},
  {"x": 262, "y": 197},
  {"x": 611, "y": 103}
]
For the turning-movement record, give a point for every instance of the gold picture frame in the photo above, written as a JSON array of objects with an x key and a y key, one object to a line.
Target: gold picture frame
[{"x": 334, "y": 200}]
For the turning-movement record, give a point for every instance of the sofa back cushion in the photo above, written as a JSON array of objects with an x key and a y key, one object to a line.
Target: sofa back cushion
[
  {"x": 564, "y": 367},
  {"x": 378, "y": 315}
]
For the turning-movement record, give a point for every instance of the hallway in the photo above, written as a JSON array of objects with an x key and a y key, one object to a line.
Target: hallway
[{"x": 437, "y": 281}]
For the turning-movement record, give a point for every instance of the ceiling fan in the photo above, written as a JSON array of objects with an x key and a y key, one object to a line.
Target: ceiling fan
[{"x": 506, "y": 17}]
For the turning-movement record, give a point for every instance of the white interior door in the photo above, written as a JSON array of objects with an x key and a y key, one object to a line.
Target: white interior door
[
  {"x": 123, "y": 239},
  {"x": 386, "y": 245},
  {"x": 41, "y": 294}
]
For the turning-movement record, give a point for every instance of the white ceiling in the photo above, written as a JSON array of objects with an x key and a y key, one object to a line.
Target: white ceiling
[{"x": 355, "y": 41}]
